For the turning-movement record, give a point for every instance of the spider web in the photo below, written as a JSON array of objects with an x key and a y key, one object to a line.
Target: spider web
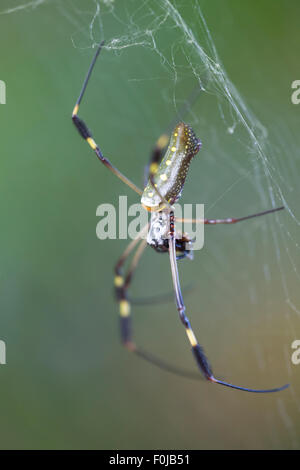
[{"x": 177, "y": 37}]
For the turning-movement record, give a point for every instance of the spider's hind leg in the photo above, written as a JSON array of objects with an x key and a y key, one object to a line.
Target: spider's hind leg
[
  {"x": 121, "y": 289},
  {"x": 122, "y": 284}
]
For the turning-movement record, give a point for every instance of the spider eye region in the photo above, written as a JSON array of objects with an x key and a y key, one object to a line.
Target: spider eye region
[{"x": 171, "y": 173}]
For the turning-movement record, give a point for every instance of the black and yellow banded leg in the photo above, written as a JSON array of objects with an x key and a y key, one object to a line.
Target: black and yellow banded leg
[
  {"x": 122, "y": 284},
  {"x": 197, "y": 350},
  {"x": 152, "y": 172},
  {"x": 152, "y": 168},
  {"x": 230, "y": 220},
  {"x": 156, "y": 156},
  {"x": 87, "y": 135}
]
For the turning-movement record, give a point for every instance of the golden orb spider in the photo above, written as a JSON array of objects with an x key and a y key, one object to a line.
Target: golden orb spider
[{"x": 166, "y": 179}]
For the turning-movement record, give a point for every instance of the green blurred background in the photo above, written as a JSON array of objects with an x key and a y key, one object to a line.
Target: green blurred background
[{"x": 68, "y": 383}]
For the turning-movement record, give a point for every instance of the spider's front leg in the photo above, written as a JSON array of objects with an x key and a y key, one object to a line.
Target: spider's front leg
[{"x": 87, "y": 135}]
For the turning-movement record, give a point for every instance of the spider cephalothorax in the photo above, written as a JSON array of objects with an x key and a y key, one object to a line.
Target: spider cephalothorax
[{"x": 159, "y": 234}]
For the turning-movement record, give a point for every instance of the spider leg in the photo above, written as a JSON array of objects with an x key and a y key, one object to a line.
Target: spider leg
[
  {"x": 230, "y": 220},
  {"x": 156, "y": 155},
  {"x": 161, "y": 298},
  {"x": 121, "y": 286},
  {"x": 197, "y": 350},
  {"x": 86, "y": 134},
  {"x": 152, "y": 172},
  {"x": 152, "y": 167}
]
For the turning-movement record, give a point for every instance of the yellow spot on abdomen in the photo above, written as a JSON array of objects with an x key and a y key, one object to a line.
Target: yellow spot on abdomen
[
  {"x": 173, "y": 149},
  {"x": 163, "y": 177},
  {"x": 168, "y": 162}
]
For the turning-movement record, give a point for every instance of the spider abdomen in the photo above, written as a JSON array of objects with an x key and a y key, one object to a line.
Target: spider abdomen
[{"x": 170, "y": 175}]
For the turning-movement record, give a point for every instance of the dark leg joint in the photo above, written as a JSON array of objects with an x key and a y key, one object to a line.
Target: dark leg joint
[{"x": 183, "y": 318}]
